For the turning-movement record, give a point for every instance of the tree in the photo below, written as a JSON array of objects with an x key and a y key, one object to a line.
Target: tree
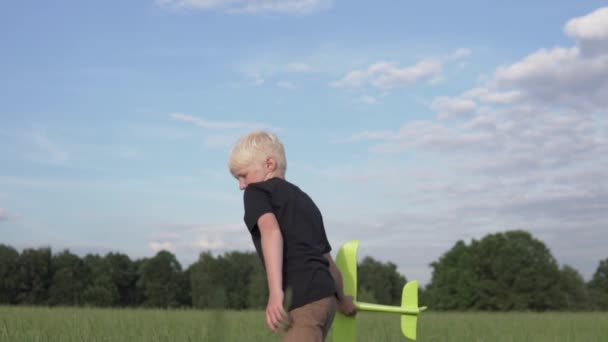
[
  {"x": 138, "y": 291},
  {"x": 233, "y": 280},
  {"x": 599, "y": 286},
  {"x": 124, "y": 277},
  {"x": 257, "y": 292},
  {"x": 34, "y": 274},
  {"x": 99, "y": 289},
  {"x": 237, "y": 269},
  {"x": 184, "y": 296},
  {"x": 8, "y": 274},
  {"x": 379, "y": 281},
  {"x": 69, "y": 279},
  {"x": 517, "y": 272},
  {"x": 206, "y": 282},
  {"x": 574, "y": 289},
  {"x": 454, "y": 282},
  {"x": 503, "y": 271},
  {"x": 159, "y": 280}
]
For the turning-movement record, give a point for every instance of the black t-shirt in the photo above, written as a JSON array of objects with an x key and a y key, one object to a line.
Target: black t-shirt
[{"x": 305, "y": 270}]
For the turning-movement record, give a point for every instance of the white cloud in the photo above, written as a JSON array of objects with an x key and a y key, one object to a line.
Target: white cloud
[
  {"x": 353, "y": 79},
  {"x": 593, "y": 26},
  {"x": 186, "y": 241},
  {"x": 52, "y": 152},
  {"x": 453, "y": 107},
  {"x": 286, "y": 85},
  {"x": 529, "y": 151},
  {"x": 261, "y": 72},
  {"x": 424, "y": 134},
  {"x": 562, "y": 77},
  {"x": 3, "y": 215},
  {"x": 368, "y": 99},
  {"x": 209, "y": 124},
  {"x": 460, "y": 53},
  {"x": 388, "y": 75},
  {"x": 502, "y": 97},
  {"x": 199, "y": 243},
  {"x": 256, "y": 77},
  {"x": 485, "y": 95},
  {"x": 565, "y": 76},
  {"x": 206, "y": 243},
  {"x": 294, "y": 68},
  {"x": 299, "y": 67},
  {"x": 159, "y": 246},
  {"x": 248, "y": 6}
]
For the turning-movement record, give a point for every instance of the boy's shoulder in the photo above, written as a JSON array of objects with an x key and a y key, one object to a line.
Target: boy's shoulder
[
  {"x": 273, "y": 185},
  {"x": 278, "y": 189}
]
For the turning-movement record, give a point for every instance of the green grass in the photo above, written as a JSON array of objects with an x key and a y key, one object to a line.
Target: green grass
[{"x": 134, "y": 325}]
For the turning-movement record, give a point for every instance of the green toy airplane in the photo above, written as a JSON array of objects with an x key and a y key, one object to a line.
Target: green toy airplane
[{"x": 343, "y": 328}]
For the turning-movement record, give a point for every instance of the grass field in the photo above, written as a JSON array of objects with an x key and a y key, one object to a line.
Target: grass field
[{"x": 74, "y": 324}]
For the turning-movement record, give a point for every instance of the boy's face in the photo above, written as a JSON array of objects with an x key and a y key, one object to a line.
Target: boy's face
[{"x": 255, "y": 173}]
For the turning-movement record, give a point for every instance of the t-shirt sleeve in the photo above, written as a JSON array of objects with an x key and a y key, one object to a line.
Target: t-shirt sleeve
[
  {"x": 327, "y": 246},
  {"x": 257, "y": 203}
]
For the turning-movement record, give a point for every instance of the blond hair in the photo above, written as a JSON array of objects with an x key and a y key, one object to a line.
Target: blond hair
[{"x": 255, "y": 148}]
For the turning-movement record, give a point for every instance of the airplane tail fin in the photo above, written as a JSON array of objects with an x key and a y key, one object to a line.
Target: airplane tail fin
[
  {"x": 409, "y": 301},
  {"x": 343, "y": 328}
]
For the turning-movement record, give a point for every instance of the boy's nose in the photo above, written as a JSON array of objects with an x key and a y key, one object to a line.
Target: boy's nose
[{"x": 242, "y": 185}]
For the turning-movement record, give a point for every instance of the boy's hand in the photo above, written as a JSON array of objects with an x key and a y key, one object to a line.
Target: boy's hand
[
  {"x": 346, "y": 306},
  {"x": 275, "y": 314}
]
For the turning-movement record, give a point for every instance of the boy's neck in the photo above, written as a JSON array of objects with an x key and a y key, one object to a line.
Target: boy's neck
[{"x": 271, "y": 176}]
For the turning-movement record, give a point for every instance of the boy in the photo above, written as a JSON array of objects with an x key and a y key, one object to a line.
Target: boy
[{"x": 288, "y": 233}]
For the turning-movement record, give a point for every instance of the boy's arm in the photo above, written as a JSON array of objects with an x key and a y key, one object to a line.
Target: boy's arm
[
  {"x": 272, "y": 248},
  {"x": 345, "y": 303}
]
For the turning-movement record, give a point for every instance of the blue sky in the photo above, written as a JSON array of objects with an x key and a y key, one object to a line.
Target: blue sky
[{"x": 411, "y": 124}]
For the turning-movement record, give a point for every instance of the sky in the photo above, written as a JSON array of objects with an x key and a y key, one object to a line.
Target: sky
[{"x": 411, "y": 124}]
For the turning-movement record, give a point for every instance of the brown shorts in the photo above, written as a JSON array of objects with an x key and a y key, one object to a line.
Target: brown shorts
[{"x": 311, "y": 322}]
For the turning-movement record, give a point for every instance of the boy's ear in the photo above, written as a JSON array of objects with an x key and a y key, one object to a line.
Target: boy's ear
[{"x": 271, "y": 164}]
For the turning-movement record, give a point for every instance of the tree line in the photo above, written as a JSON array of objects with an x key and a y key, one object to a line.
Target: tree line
[
  {"x": 511, "y": 271},
  {"x": 500, "y": 272}
]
